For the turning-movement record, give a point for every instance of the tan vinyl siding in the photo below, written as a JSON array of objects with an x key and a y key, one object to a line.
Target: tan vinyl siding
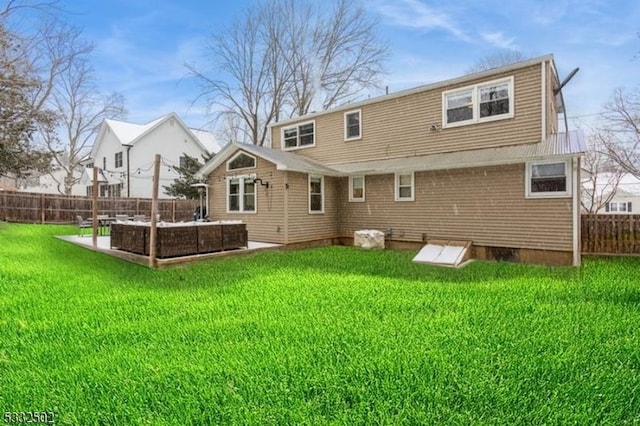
[
  {"x": 267, "y": 225},
  {"x": 550, "y": 104},
  {"x": 302, "y": 225},
  {"x": 400, "y": 127},
  {"x": 483, "y": 205}
]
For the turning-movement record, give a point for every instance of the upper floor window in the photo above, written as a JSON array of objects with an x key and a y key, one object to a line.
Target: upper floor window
[
  {"x": 241, "y": 161},
  {"x": 352, "y": 125},
  {"x": 356, "y": 188},
  {"x": 183, "y": 161},
  {"x": 549, "y": 179},
  {"x": 118, "y": 160},
  {"x": 299, "y": 136},
  {"x": 478, "y": 103},
  {"x": 316, "y": 194},
  {"x": 404, "y": 186},
  {"x": 89, "y": 165}
]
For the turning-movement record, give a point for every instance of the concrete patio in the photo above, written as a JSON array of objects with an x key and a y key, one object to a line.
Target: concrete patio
[{"x": 103, "y": 245}]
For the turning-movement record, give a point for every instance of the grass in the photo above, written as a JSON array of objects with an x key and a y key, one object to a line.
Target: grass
[{"x": 332, "y": 335}]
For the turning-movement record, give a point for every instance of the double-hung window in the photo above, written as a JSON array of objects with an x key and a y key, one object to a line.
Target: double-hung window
[
  {"x": 241, "y": 195},
  {"x": 405, "y": 186},
  {"x": 356, "y": 188},
  {"x": 299, "y": 136},
  {"x": 118, "y": 159},
  {"x": 478, "y": 103},
  {"x": 352, "y": 125},
  {"x": 548, "y": 179},
  {"x": 619, "y": 207},
  {"x": 316, "y": 194}
]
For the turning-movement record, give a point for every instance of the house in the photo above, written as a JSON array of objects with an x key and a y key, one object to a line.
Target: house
[
  {"x": 614, "y": 193},
  {"x": 124, "y": 153},
  {"x": 51, "y": 183},
  {"x": 477, "y": 158}
]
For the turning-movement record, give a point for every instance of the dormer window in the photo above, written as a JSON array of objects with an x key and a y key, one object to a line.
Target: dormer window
[
  {"x": 299, "y": 136},
  {"x": 241, "y": 160},
  {"x": 475, "y": 104}
]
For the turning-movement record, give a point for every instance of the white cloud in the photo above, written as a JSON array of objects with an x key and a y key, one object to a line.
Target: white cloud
[
  {"x": 499, "y": 40},
  {"x": 415, "y": 14}
]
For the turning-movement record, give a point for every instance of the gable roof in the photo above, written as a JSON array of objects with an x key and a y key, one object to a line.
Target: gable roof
[
  {"x": 130, "y": 133},
  {"x": 628, "y": 186},
  {"x": 423, "y": 88},
  {"x": 282, "y": 160},
  {"x": 556, "y": 145}
]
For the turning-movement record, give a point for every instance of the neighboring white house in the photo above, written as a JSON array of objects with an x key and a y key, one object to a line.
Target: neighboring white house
[
  {"x": 50, "y": 183},
  {"x": 626, "y": 199},
  {"x": 124, "y": 152}
]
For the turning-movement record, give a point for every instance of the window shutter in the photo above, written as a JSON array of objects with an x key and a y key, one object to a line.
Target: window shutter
[
  {"x": 629, "y": 207},
  {"x": 606, "y": 207}
]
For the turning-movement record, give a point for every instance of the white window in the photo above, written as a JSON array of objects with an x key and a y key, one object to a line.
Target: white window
[
  {"x": 316, "y": 194},
  {"x": 241, "y": 195},
  {"x": 299, "y": 136},
  {"x": 478, "y": 103},
  {"x": 352, "y": 125},
  {"x": 619, "y": 207},
  {"x": 548, "y": 179},
  {"x": 404, "y": 186},
  {"x": 118, "y": 159},
  {"x": 183, "y": 161},
  {"x": 356, "y": 188},
  {"x": 241, "y": 161}
]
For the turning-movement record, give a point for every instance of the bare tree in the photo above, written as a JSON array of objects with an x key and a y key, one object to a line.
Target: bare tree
[
  {"x": 285, "y": 57},
  {"x": 248, "y": 88},
  {"x": 56, "y": 55},
  {"x": 19, "y": 157},
  {"x": 498, "y": 59},
  {"x": 601, "y": 174},
  {"x": 622, "y": 118},
  {"x": 81, "y": 108}
]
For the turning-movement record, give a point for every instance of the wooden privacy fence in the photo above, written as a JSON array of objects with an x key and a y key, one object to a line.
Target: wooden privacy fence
[
  {"x": 611, "y": 234},
  {"x": 29, "y": 207}
]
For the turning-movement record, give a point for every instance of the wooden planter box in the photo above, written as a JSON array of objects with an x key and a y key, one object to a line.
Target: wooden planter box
[
  {"x": 209, "y": 239},
  {"x": 131, "y": 238},
  {"x": 180, "y": 240},
  {"x": 234, "y": 236},
  {"x": 177, "y": 241}
]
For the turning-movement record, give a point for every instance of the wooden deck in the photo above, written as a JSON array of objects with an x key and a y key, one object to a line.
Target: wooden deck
[{"x": 104, "y": 246}]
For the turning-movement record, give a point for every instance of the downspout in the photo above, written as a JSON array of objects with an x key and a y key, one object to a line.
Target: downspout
[
  {"x": 128, "y": 171},
  {"x": 577, "y": 255},
  {"x": 286, "y": 207}
]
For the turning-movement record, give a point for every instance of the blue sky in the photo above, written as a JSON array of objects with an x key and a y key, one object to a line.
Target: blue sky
[{"x": 142, "y": 45}]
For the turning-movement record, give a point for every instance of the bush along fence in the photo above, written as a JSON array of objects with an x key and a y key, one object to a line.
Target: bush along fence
[
  {"x": 611, "y": 234},
  {"x": 29, "y": 207}
]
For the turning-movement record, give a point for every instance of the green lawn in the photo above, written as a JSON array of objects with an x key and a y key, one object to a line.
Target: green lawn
[{"x": 332, "y": 335}]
